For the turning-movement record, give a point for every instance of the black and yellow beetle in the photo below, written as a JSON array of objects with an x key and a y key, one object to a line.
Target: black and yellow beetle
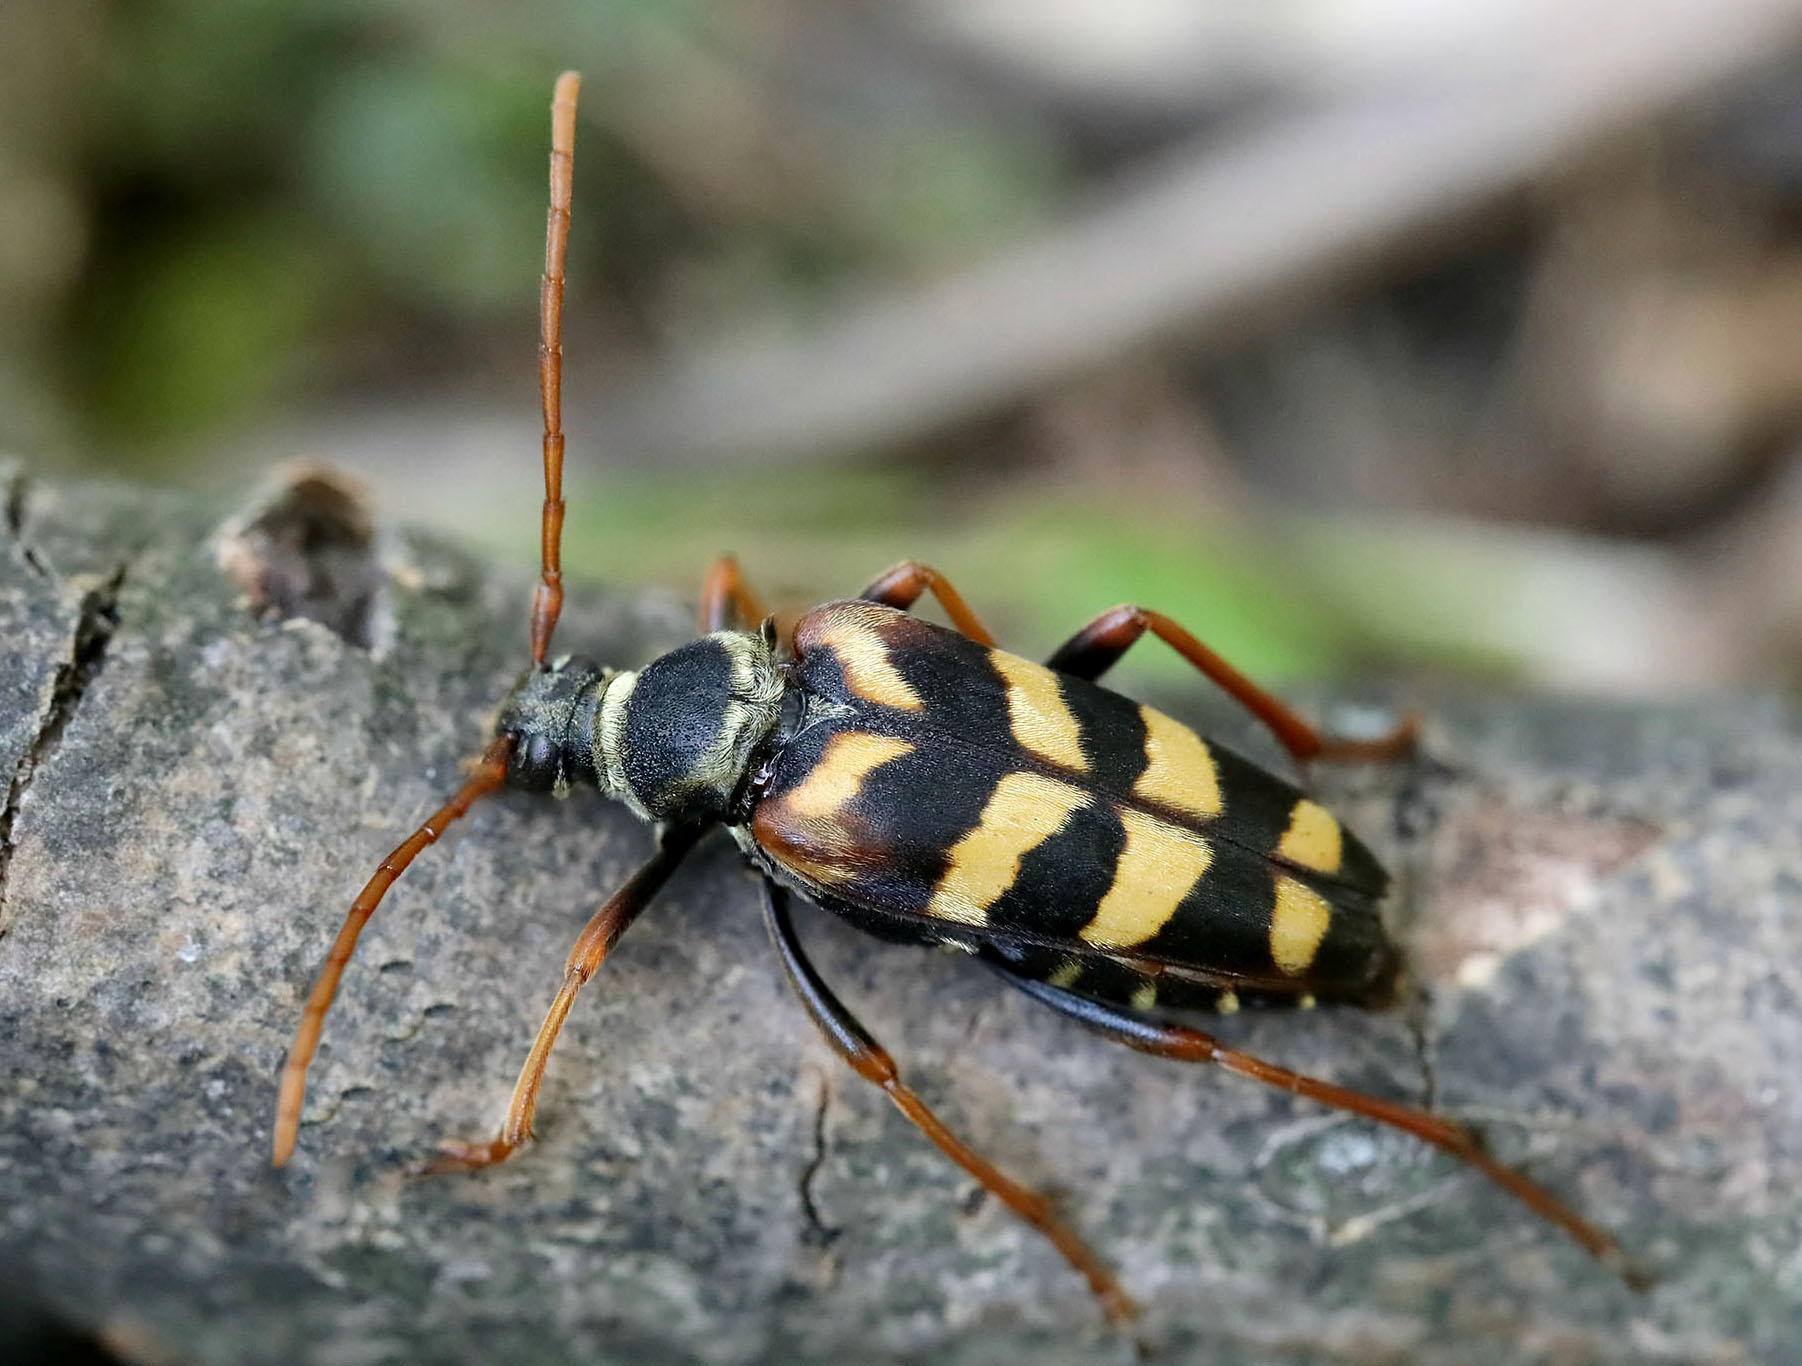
[{"x": 933, "y": 789}]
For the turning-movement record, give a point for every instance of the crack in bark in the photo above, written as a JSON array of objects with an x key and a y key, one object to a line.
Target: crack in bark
[
  {"x": 17, "y": 490},
  {"x": 1420, "y": 1005},
  {"x": 1415, "y": 815},
  {"x": 95, "y": 622},
  {"x": 818, "y": 1231}
]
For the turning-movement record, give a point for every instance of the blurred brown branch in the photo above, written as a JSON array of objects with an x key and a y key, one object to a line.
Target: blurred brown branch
[{"x": 1218, "y": 230}]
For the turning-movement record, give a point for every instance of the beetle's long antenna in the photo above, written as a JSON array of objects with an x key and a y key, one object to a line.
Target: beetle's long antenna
[
  {"x": 547, "y": 598},
  {"x": 490, "y": 773}
]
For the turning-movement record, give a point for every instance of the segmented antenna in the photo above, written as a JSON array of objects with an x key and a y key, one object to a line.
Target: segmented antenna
[
  {"x": 547, "y": 602},
  {"x": 490, "y": 773},
  {"x": 547, "y": 598}
]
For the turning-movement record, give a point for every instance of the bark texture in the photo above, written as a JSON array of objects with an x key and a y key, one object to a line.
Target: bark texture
[{"x": 1601, "y": 901}]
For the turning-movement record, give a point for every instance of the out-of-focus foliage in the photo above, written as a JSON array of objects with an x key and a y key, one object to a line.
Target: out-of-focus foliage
[
  {"x": 216, "y": 205},
  {"x": 800, "y": 537},
  {"x": 1555, "y": 434}
]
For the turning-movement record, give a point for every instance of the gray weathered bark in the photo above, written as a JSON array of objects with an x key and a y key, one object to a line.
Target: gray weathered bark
[{"x": 1602, "y": 901}]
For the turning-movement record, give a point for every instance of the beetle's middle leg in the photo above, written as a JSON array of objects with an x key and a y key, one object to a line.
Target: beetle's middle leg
[
  {"x": 902, "y": 586},
  {"x": 591, "y": 948},
  {"x": 852, "y": 1042},
  {"x": 1096, "y": 648}
]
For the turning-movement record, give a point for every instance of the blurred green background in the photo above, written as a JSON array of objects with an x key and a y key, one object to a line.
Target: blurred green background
[{"x": 1359, "y": 336}]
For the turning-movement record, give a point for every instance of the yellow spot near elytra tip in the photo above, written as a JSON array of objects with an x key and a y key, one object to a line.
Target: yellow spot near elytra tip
[
  {"x": 1227, "y": 1003},
  {"x": 1023, "y": 811},
  {"x": 1145, "y": 996},
  {"x": 1179, "y": 768},
  {"x": 838, "y": 776},
  {"x": 1298, "y": 923},
  {"x": 1158, "y": 866},
  {"x": 1306, "y": 1001},
  {"x": 869, "y": 672},
  {"x": 1066, "y": 974},
  {"x": 1040, "y": 718},
  {"x": 1312, "y": 840}
]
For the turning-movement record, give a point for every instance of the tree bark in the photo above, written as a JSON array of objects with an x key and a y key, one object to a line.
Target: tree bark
[{"x": 1600, "y": 902}]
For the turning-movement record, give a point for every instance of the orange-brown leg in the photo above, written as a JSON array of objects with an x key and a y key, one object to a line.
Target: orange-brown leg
[
  {"x": 1096, "y": 648},
  {"x": 870, "y": 1061},
  {"x": 902, "y": 586},
  {"x": 1191, "y": 1045},
  {"x": 489, "y": 774},
  {"x": 725, "y": 599},
  {"x": 591, "y": 948}
]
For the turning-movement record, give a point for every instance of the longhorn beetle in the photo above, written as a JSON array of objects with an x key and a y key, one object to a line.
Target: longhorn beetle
[{"x": 933, "y": 789}]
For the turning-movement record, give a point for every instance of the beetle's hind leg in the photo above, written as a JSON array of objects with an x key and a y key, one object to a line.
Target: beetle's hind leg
[
  {"x": 591, "y": 948},
  {"x": 1139, "y": 985},
  {"x": 1096, "y": 648},
  {"x": 1182, "y": 1044},
  {"x": 871, "y": 1061}
]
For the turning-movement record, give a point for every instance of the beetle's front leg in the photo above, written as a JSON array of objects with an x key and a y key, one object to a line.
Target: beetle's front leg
[
  {"x": 726, "y": 600},
  {"x": 591, "y": 948}
]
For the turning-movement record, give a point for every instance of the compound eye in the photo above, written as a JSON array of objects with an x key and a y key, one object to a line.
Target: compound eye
[{"x": 534, "y": 763}]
